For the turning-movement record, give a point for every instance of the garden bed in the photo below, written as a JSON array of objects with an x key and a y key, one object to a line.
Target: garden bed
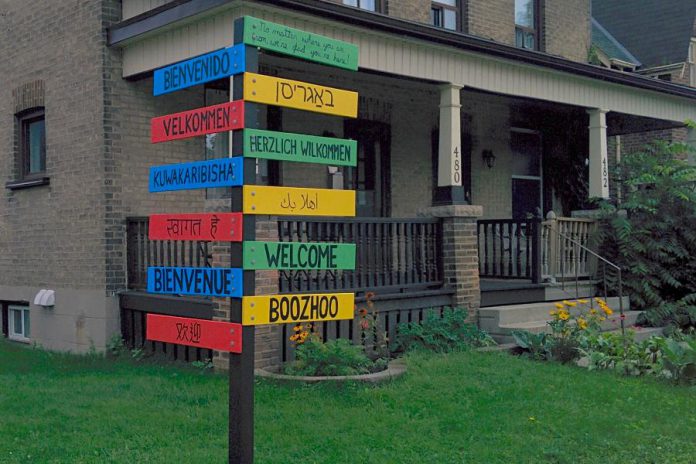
[{"x": 396, "y": 368}]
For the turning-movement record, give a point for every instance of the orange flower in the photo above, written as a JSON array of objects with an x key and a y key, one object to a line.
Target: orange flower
[
  {"x": 363, "y": 312},
  {"x": 369, "y": 295}
]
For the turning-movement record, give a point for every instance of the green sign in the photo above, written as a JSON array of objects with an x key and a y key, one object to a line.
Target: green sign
[
  {"x": 300, "y": 44},
  {"x": 285, "y": 146},
  {"x": 293, "y": 255}
]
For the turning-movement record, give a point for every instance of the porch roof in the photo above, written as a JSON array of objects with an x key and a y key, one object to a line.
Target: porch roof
[{"x": 181, "y": 29}]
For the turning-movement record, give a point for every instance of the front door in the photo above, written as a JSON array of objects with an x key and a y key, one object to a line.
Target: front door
[
  {"x": 526, "y": 174},
  {"x": 371, "y": 177}
]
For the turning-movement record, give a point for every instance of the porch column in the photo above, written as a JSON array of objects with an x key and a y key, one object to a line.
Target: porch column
[
  {"x": 449, "y": 164},
  {"x": 691, "y": 140},
  {"x": 460, "y": 263},
  {"x": 599, "y": 164}
]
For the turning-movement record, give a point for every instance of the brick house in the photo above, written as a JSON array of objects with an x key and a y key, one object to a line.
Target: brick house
[{"x": 474, "y": 116}]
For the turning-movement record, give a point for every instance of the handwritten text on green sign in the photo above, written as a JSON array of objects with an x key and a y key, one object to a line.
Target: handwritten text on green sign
[
  {"x": 300, "y": 44},
  {"x": 285, "y": 146},
  {"x": 287, "y": 255}
]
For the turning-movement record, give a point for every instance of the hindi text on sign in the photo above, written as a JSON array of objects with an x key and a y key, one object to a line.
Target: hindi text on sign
[{"x": 222, "y": 227}]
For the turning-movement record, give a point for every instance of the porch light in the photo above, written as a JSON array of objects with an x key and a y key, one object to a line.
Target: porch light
[{"x": 488, "y": 158}]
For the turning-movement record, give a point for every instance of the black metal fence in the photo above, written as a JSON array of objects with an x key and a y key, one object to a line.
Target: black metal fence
[
  {"x": 510, "y": 249},
  {"x": 142, "y": 252},
  {"x": 392, "y": 255}
]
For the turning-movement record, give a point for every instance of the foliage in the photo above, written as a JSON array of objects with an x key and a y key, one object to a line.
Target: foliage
[
  {"x": 651, "y": 234},
  {"x": 116, "y": 346},
  {"x": 374, "y": 338},
  {"x": 672, "y": 358},
  {"x": 335, "y": 357},
  {"x": 572, "y": 322},
  {"x": 449, "y": 332}
]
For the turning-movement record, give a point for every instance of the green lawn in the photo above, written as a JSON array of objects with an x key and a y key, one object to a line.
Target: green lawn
[{"x": 467, "y": 407}]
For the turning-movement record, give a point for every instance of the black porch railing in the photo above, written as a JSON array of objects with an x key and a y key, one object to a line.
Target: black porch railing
[
  {"x": 142, "y": 252},
  {"x": 510, "y": 249},
  {"x": 392, "y": 255}
]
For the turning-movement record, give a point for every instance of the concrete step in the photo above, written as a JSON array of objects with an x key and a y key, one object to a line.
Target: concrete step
[
  {"x": 495, "y": 316},
  {"x": 640, "y": 333},
  {"x": 613, "y": 322}
]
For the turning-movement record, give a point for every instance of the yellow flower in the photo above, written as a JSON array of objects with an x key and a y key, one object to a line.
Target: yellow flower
[
  {"x": 602, "y": 318},
  {"x": 563, "y": 315},
  {"x": 297, "y": 328},
  {"x": 553, "y": 313},
  {"x": 559, "y": 305},
  {"x": 582, "y": 323},
  {"x": 608, "y": 311},
  {"x": 593, "y": 311},
  {"x": 582, "y": 301}
]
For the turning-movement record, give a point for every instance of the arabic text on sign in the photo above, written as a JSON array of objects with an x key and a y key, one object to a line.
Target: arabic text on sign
[{"x": 290, "y": 201}]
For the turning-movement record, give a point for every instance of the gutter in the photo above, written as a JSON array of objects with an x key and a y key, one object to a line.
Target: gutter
[{"x": 177, "y": 10}]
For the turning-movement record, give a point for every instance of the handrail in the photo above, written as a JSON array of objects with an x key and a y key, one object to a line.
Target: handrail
[{"x": 578, "y": 245}]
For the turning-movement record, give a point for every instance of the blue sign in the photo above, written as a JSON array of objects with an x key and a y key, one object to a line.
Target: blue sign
[
  {"x": 222, "y": 172},
  {"x": 204, "y": 68},
  {"x": 207, "y": 281}
]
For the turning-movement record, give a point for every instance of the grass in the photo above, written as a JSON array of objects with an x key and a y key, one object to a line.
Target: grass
[{"x": 457, "y": 408}]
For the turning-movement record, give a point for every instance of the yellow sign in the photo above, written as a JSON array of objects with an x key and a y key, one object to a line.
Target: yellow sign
[
  {"x": 285, "y": 309},
  {"x": 292, "y": 201},
  {"x": 300, "y": 95}
]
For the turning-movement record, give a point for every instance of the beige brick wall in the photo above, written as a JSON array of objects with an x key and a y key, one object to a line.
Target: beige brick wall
[
  {"x": 414, "y": 10},
  {"x": 566, "y": 28},
  {"x": 491, "y": 19}
]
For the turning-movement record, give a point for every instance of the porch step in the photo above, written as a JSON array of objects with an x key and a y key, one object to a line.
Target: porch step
[{"x": 494, "y": 316}]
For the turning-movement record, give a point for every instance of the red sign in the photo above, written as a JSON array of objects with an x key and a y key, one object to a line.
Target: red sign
[
  {"x": 210, "y": 119},
  {"x": 201, "y": 333},
  {"x": 219, "y": 227}
]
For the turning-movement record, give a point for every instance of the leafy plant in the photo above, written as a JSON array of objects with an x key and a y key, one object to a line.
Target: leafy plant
[
  {"x": 651, "y": 234},
  {"x": 116, "y": 346},
  {"x": 679, "y": 360},
  {"x": 374, "y": 338},
  {"x": 335, "y": 357},
  {"x": 449, "y": 332},
  {"x": 536, "y": 344}
]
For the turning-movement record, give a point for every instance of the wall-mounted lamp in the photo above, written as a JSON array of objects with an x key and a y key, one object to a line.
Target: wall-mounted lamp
[{"x": 488, "y": 158}]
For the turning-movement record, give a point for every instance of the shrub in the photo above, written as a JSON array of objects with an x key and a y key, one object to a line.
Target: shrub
[
  {"x": 335, "y": 357},
  {"x": 449, "y": 332},
  {"x": 651, "y": 234}
]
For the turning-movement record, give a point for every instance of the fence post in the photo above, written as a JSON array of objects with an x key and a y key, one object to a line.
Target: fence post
[
  {"x": 460, "y": 260},
  {"x": 536, "y": 250}
]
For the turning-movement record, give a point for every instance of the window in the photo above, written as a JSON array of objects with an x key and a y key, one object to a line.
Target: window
[
  {"x": 18, "y": 321},
  {"x": 370, "y": 5},
  {"x": 32, "y": 143},
  {"x": 443, "y": 13},
  {"x": 526, "y": 24}
]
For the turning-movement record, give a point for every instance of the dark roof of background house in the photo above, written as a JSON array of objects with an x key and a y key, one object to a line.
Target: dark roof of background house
[
  {"x": 602, "y": 39},
  {"x": 657, "y": 32}
]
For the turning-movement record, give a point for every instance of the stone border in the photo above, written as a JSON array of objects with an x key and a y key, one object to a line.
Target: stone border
[{"x": 395, "y": 369}]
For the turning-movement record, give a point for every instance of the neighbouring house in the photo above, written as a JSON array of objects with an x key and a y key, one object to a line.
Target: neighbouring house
[{"x": 476, "y": 118}]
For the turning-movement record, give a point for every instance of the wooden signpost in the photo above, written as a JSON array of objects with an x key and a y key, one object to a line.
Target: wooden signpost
[
  {"x": 284, "y": 146},
  {"x": 300, "y": 95},
  {"x": 224, "y": 172},
  {"x": 201, "y": 333},
  {"x": 293, "y": 201},
  {"x": 251, "y": 141},
  {"x": 288, "y": 309}
]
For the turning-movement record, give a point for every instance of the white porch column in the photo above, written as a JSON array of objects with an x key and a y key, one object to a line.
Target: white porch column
[
  {"x": 449, "y": 169},
  {"x": 599, "y": 164}
]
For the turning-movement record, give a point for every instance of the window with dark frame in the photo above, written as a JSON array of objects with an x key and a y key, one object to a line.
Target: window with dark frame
[
  {"x": 369, "y": 5},
  {"x": 527, "y": 24},
  {"x": 443, "y": 13},
  {"x": 32, "y": 143}
]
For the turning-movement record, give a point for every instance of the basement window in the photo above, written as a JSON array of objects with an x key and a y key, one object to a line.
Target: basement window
[{"x": 19, "y": 323}]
